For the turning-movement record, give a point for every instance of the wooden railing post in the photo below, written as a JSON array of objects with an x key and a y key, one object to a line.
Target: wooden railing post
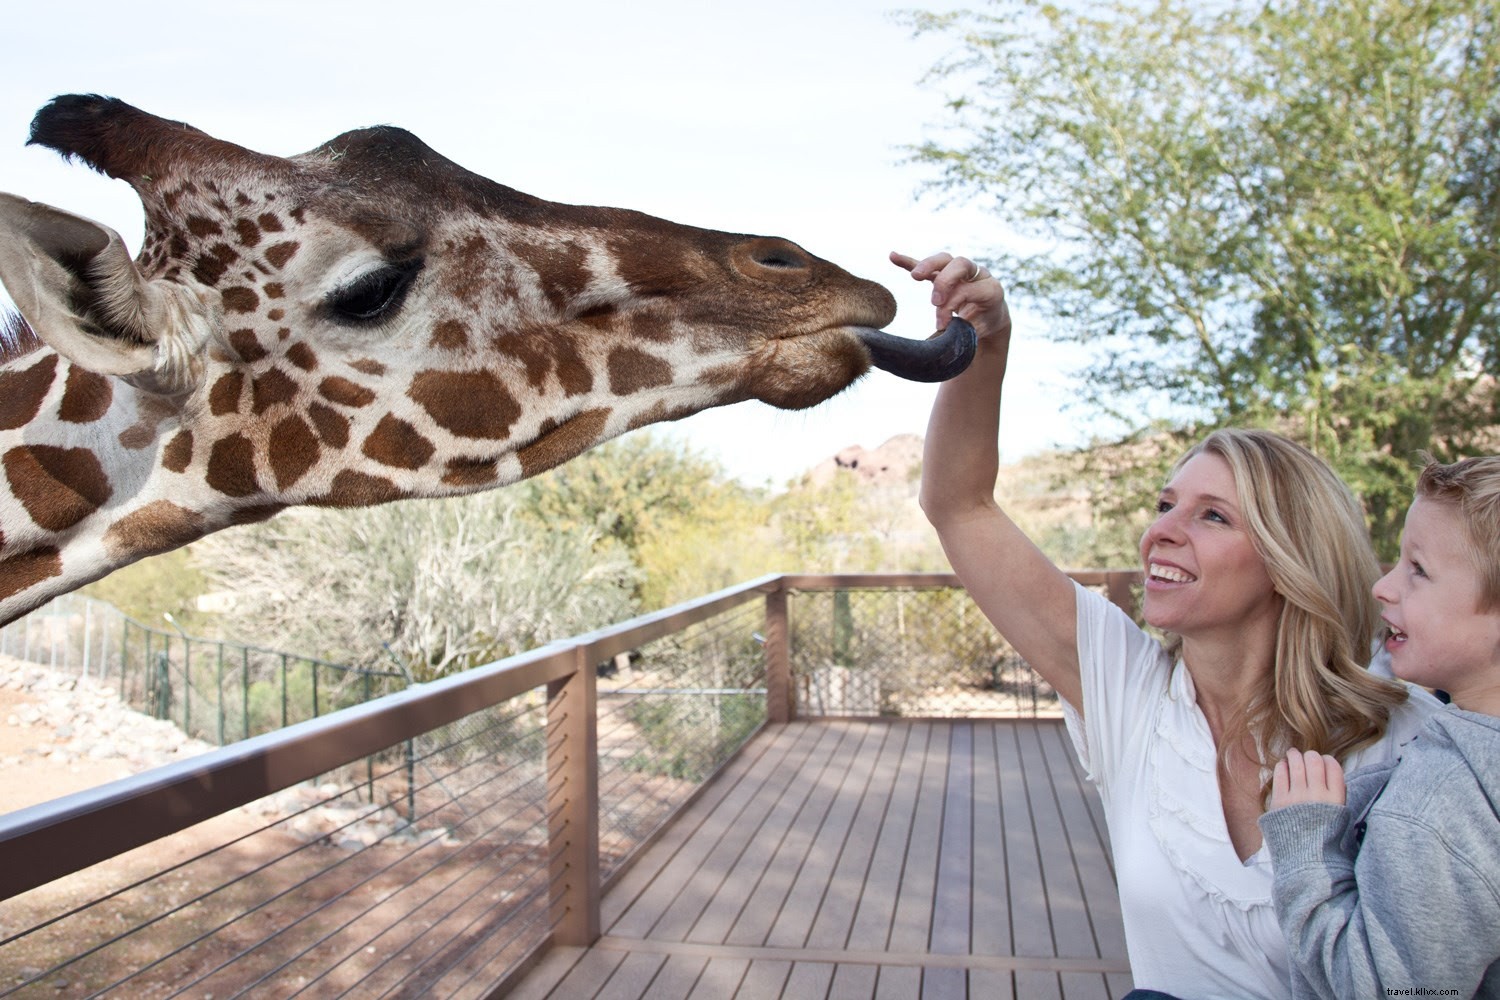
[
  {"x": 573, "y": 805},
  {"x": 781, "y": 703},
  {"x": 1120, "y": 590}
]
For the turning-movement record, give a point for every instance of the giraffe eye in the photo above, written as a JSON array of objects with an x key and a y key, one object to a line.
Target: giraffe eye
[{"x": 375, "y": 294}]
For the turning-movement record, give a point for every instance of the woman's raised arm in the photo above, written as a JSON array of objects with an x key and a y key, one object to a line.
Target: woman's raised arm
[{"x": 1028, "y": 599}]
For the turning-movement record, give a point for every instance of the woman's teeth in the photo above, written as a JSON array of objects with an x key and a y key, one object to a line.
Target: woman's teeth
[{"x": 1170, "y": 574}]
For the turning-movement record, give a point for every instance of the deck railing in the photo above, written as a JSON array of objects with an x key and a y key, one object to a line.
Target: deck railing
[{"x": 436, "y": 841}]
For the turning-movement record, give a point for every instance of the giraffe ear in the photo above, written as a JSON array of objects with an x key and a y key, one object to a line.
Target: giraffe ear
[{"x": 74, "y": 282}]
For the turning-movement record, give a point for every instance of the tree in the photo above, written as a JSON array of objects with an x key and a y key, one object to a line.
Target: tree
[
  {"x": 437, "y": 585},
  {"x": 1282, "y": 213}
]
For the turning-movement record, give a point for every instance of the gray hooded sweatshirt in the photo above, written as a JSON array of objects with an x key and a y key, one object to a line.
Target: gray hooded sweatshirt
[{"x": 1397, "y": 893}]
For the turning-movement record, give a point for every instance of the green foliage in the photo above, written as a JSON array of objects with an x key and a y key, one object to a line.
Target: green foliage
[
  {"x": 1282, "y": 214},
  {"x": 688, "y": 736},
  {"x": 430, "y": 586},
  {"x": 170, "y": 582}
]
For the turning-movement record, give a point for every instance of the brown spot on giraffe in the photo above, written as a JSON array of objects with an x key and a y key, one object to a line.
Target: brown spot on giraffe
[
  {"x": 368, "y": 366},
  {"x": 201, "y": 227},
  {"x": 224, "y": 397},
  {"x": 58, "y": 486},
  {"x": 337, "y": 389},
  {"x": 240, "y": 299},
  {"x": 450, "y": 335},
  {"x": 557, "y": 446},
  {"x": 563, "y": 268},
  {"x": 270, "y": 223},
  {"x": 273, "y": 290},
  {"x": 256, "y": 513},
  {"x": 332, "y": 426},
  {"x": 303, "y": 356},
  {"x": 249, "y": 232},
  {"x": 465, "y": 282},
  {"x": 86, "y": 397},
  {"x": 632, "y": 370},
  {"x": 275, "y": 386},
  {"x": 178, "y": 453},
  {"x": 292, "y": 450},
  {"x": 27, "y": 569},
  {"x": 279, "y": 254},
  {"x": 468, "y": 404},
  {"x": 355, "y": 489},
  {"x": 22, "y": 392},
  {"x": 247, "y": 345},
  {"x": 231, "y": 466},
  {"x": 159, "y": 526},
  {"x": 470, "y": 472},
  {"x": 396, "y": 443}
]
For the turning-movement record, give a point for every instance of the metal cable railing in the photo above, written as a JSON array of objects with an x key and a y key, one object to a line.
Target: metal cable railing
[{"x": 431, "y": 842}]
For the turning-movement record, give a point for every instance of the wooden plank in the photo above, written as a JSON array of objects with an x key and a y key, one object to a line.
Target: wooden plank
[
  {"x": 699, "y": 887},
  {"x": 768, "y": 901},
  {"x": 688, "y": 830},
  {"x": 767, "y": 849},
  {"x": 898, "y": 983},
  {"x": 1038, "y": 986},
  {"x": 991, "y": 931},
  {"x": 989, "y": 984},
  {"x": 945, "y": 984},
  {"x": 911, "y": 926},
  {"x": 818, "y": 876},
  {"x": 632, "y": 977},
  {"x": 713, "y": 840},
  {"x": 1031, "y": 926},
  {"x": 551, "y": 970},
  {"x": 834, "y": 922},
  {"x": 588, "y": 976},
  {"x": 722, "y": 977},
  {"x": 853, "y": 982},
  {"x": 951, "y": 902},
  {"x": 808, "y": 979},
  {"x": 1073, "y": 935},
  {"x": 765, "y": 980},
  {"x": 676, "y": 978},
  {"x": 875, "y": 915},
  {"x": 1088, "y": 843},
  {"x": 1083, "y": 986}
]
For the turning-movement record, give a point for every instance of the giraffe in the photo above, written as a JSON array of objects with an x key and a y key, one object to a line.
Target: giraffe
[{"x": 364, "y": 322}]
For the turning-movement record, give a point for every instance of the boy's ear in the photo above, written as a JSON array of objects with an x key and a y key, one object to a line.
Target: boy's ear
[{"x": 74, "y": 282}]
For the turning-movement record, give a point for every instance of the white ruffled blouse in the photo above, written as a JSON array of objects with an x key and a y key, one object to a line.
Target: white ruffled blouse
[{"x": 1198, "y": 922}]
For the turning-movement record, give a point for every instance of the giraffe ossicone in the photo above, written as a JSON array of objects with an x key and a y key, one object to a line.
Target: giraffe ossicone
[{"x": 364, "y": 322}]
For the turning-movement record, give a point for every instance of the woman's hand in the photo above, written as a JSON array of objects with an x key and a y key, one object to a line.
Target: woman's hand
[
  {"x": 1307, "y": 777},
  {"x": 963, "y": 288}
]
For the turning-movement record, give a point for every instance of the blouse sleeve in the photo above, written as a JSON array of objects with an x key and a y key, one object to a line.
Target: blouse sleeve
[{"x": 1124, "y": 673}]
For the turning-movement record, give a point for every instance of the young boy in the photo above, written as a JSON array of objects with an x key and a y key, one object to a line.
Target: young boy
[{"x": 1399, "y": 889}]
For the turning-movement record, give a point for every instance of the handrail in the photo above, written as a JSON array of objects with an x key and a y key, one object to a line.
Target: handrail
[
  {"x": 62, "y": 836},
  {"x": 56, "y": 838}
]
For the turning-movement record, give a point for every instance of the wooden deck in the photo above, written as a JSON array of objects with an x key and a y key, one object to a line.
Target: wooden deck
[{"x": 868, "y": 859}]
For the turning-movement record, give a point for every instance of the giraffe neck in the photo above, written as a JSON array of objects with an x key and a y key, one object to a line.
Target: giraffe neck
[{"x": 88, "y": 481}]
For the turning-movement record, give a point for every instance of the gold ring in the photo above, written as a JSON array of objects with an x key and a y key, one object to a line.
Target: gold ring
[{"x": 975, "y": 275}]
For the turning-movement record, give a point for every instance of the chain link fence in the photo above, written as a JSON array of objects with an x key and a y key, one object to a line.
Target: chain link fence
[{"x": 908, "y": 652}]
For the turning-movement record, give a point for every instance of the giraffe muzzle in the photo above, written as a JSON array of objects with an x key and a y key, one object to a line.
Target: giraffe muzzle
[{"x": 936, "y": 359}]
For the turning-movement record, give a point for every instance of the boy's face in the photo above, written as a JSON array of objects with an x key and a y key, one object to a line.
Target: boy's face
[{"x": 1437, "y": 637}]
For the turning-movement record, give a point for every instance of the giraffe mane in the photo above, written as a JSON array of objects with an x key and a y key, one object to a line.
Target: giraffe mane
[{"x": 17, "y": 339}]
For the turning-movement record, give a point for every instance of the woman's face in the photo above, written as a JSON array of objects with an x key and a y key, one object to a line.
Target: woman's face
[{"x": 1203, "y": 575}]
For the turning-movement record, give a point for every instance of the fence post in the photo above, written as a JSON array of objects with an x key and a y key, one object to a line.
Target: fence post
[
  {"x": 1118, "y": 588},
  {"x": 573, "y": 805},
  {"x": 780, "y": 699}
]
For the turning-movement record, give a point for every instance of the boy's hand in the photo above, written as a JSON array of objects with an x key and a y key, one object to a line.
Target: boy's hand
[{"x": 1307, "y": 777}]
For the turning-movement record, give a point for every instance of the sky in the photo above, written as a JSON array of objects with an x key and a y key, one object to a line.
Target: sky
[{"x": 780, "y": 117}]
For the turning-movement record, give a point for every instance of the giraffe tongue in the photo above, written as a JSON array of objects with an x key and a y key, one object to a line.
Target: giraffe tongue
[{"x": 935, "y": 359}]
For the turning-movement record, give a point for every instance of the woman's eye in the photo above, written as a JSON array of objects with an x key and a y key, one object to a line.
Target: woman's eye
[
  {"x": 375, "y": 294},
  {"x": 1417, "y": 569},
  {"x": 1213, "y": 515},
  {"x": 1162, "y": 506}
]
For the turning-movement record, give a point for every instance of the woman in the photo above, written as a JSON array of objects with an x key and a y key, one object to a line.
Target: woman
[{"x": 1258, "y": 568}]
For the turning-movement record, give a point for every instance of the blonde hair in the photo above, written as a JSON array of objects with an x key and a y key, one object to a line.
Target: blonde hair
[
  {"x": 1473, "y": 487},
  {"x": 1310, "y": 532}
]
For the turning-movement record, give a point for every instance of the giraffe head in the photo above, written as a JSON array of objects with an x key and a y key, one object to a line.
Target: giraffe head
[{"x": 369, "y": 321}]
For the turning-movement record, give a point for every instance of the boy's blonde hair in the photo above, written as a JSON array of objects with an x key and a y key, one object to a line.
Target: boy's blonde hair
[
  {"x": 1311, "y": 533},
  {"x": 1473, "y": 487}
]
